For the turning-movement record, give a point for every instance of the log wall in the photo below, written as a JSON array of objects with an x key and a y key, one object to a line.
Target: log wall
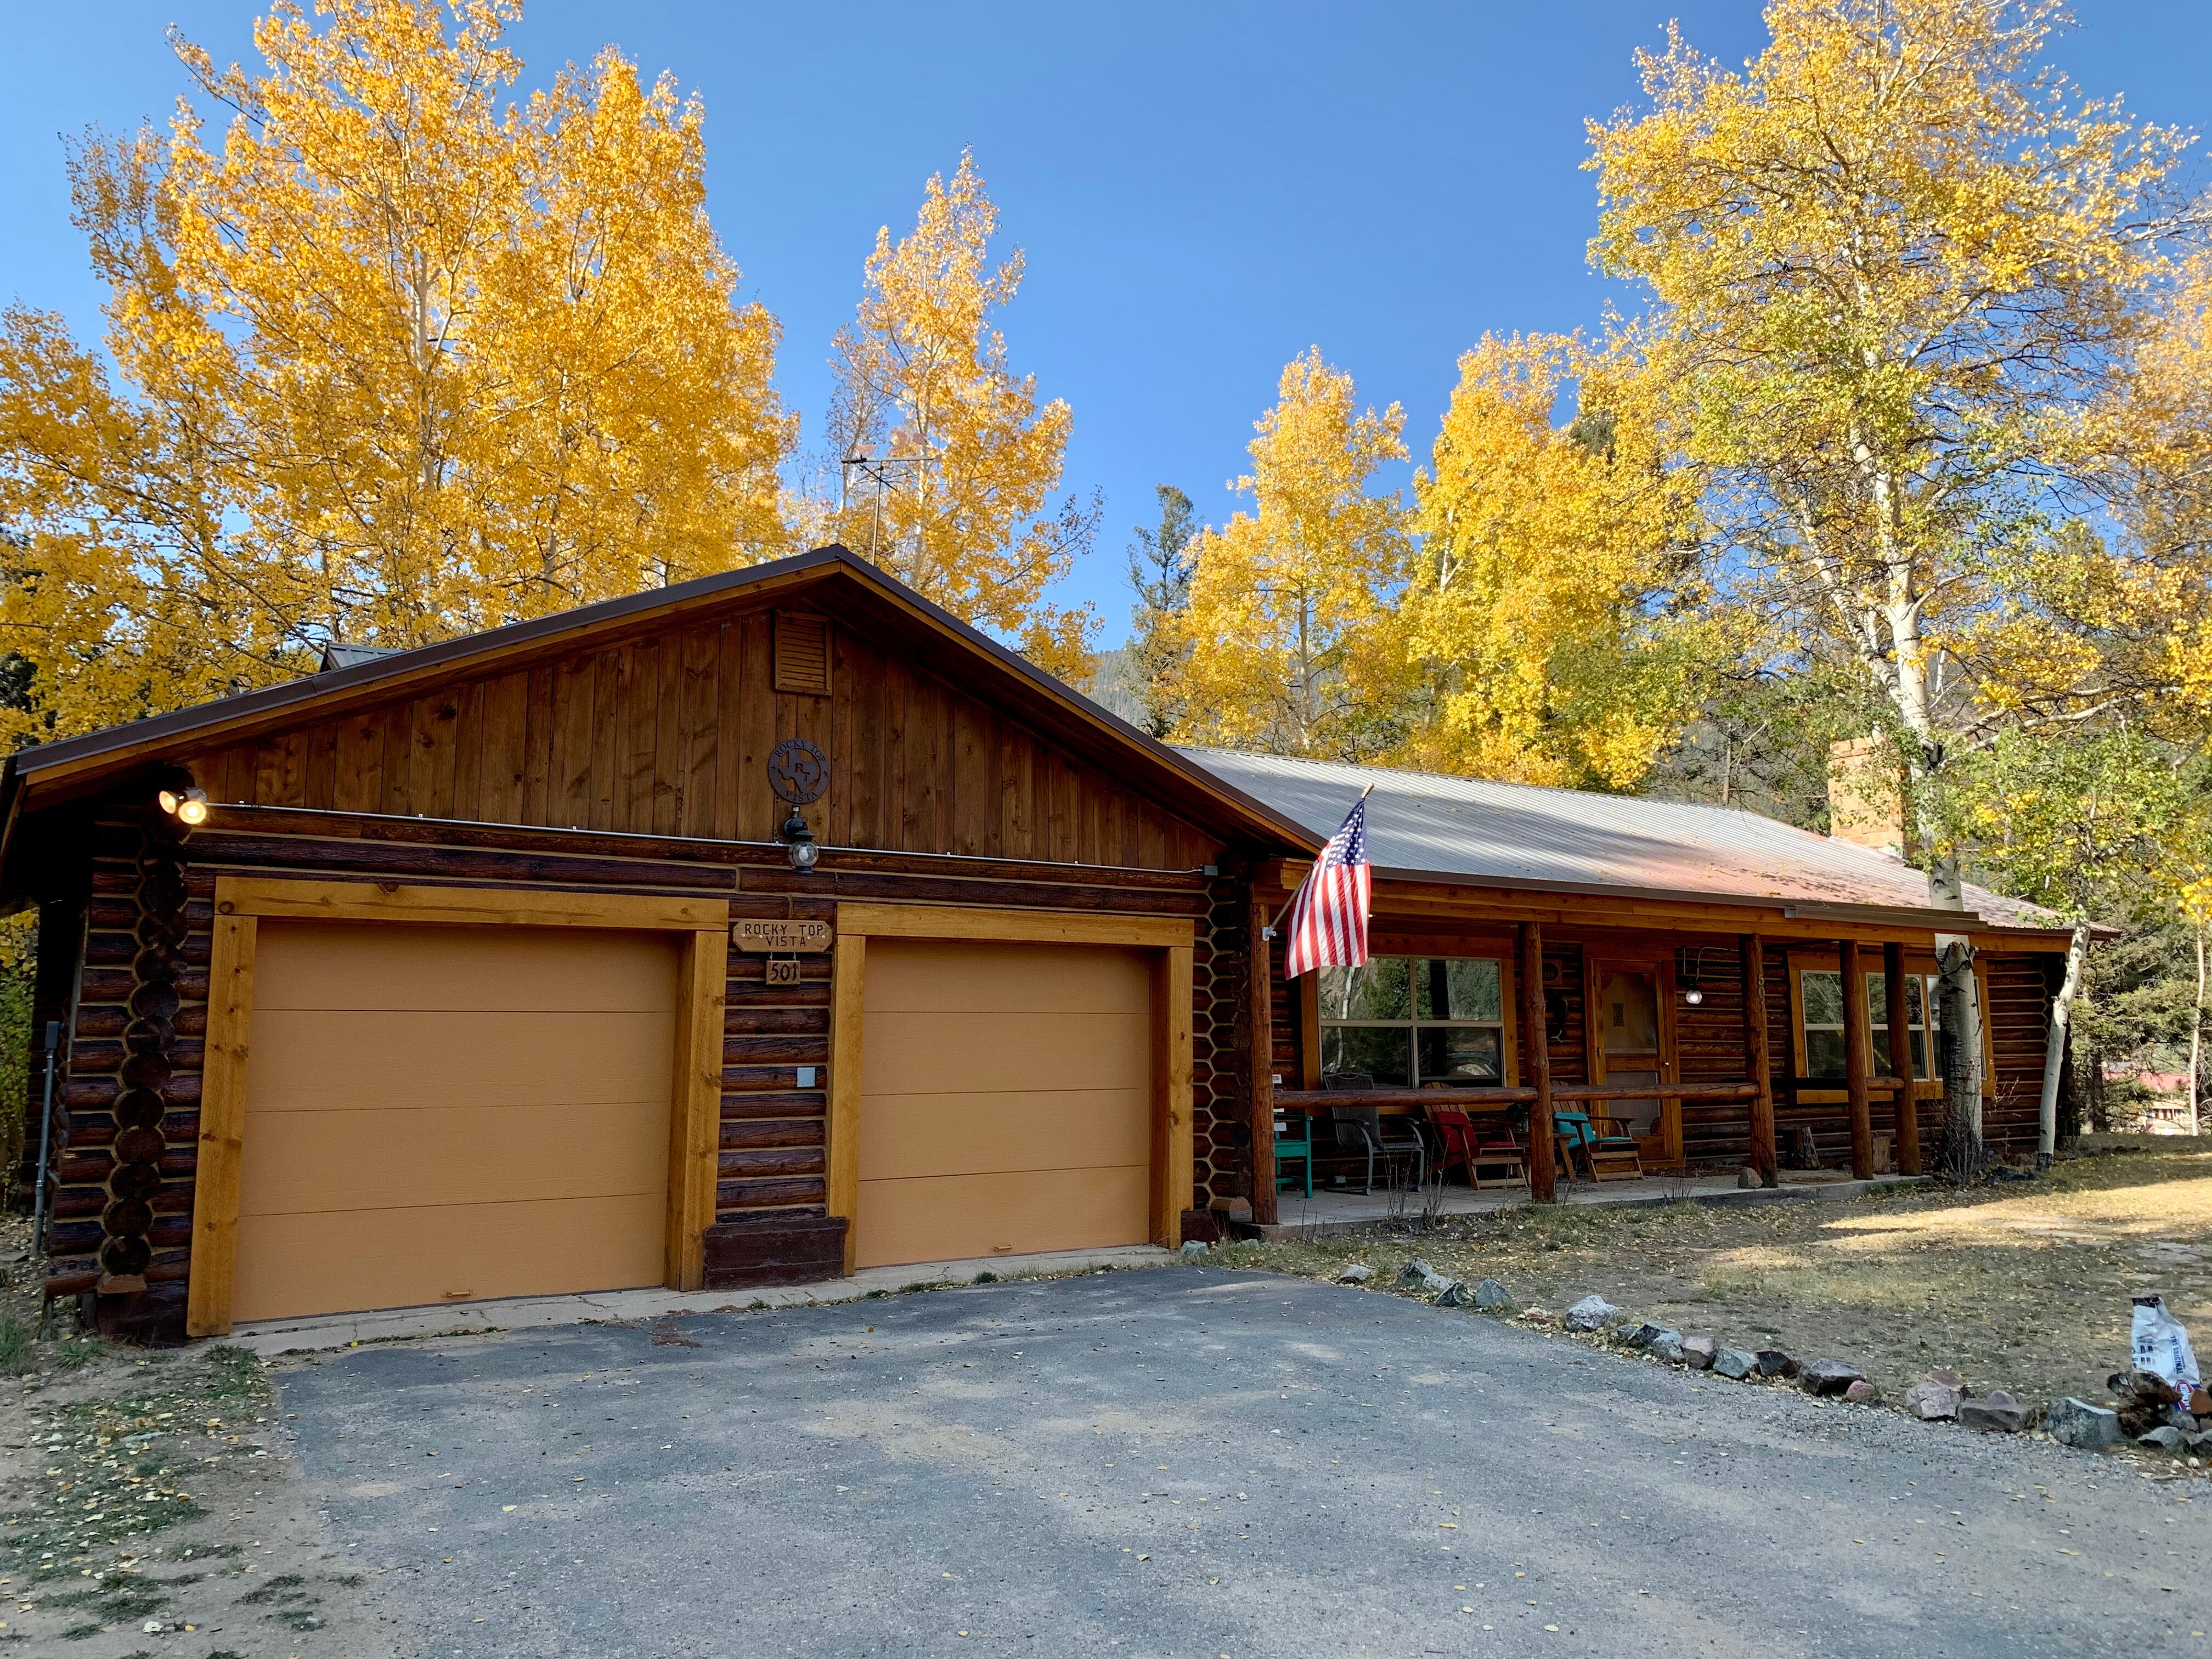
[{"x": 127, "y": 1117}]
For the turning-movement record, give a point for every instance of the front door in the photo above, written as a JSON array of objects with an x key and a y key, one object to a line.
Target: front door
[{"x": 1632, "y": 1042}]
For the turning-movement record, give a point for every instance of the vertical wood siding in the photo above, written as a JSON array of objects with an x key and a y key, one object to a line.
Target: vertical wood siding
[{"x": 670, "y": 735}]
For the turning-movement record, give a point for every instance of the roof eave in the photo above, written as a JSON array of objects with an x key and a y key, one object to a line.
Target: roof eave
[{"x": 1917, "y": 919}]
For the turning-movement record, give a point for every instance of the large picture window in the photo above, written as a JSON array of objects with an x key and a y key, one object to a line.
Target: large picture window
[
  {"x": 1822, "y": 990},
  {"x": 1405, "y": 1021}
]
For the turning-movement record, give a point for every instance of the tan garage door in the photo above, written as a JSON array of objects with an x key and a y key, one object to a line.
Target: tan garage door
[
  {"x": 1006, "y": 1100},
  {"x": 443, "y": 1113}
]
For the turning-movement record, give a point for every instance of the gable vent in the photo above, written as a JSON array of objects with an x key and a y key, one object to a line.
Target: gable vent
[{"x": 802, "y": 654}]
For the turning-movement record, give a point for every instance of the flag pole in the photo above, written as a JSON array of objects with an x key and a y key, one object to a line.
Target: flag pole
[{"x": 1275, "y": 926}]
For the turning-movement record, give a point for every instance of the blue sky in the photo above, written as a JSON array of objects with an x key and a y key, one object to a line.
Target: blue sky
[{"x": 1202, "y": 190}]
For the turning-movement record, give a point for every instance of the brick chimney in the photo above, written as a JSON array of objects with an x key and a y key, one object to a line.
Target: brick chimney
[{"x": 1866, "y": 794}]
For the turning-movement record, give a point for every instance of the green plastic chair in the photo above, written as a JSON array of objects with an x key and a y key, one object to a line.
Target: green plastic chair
[
  {"x": 1573, "y": 1132},
  {"x": 1294, "y": 1149}
]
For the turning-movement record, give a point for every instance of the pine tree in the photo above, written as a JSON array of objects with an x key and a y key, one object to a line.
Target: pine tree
[{"x": 1162, "y": 562}]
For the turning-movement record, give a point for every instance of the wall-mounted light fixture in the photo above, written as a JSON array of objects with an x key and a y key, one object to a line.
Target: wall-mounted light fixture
[
  {"x": 1693, "y": 993},
  {"x": 798, "y": 842},
  {"x": 185, "y": 805}
]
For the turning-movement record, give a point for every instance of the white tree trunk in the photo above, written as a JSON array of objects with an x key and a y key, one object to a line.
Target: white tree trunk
[
  {"x": 2196, "y": 1041},
  {"x": 2054, "y": 1052}
]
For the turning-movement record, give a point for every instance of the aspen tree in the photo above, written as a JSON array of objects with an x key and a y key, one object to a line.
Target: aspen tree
[
  {"x": 1546, "y": 606},
  {"x": 1894, "y": 262},
  {"x": 1290, "y": 619},
  {"x": 393, "y": 359},
  {"x": 957, "y": 505}
]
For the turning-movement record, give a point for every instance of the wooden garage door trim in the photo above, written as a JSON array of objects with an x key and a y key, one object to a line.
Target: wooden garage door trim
[
  {"x": 702, "y": 976},
  {"x": 1172, "y": 940}
]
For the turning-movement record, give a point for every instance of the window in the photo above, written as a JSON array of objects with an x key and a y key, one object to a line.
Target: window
[
  {"x": 1408, "y": 1020},
  {"x": 1821, "y": 991}
]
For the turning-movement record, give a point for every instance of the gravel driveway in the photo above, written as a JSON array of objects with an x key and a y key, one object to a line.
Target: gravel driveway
[{"x": 1189, "y": 1461}]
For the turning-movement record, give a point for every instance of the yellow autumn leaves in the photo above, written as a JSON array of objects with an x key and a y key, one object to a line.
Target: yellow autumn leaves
[
  {"x": 967, "y": 459},
  {"x": 397, "y": 361},
  {"x": 392, "y": 356},
  {"x": 1520, "y": 617},
  {"x": 1916, "y": 407}
]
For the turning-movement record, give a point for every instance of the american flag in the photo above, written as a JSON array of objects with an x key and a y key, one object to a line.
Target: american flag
[{"x": 1328, "y": 923}]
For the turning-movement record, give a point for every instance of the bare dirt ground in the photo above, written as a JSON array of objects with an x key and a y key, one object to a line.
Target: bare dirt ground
[
  {"x": 2025, "y": 1285},
  {"x": 150, "y": 1504}
]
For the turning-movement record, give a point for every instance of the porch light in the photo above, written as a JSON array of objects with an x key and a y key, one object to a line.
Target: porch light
[
  {"x": 798, "y": 842},
  {"x": 1693, "y": 993},
  {"x": 185, "y": 805}
]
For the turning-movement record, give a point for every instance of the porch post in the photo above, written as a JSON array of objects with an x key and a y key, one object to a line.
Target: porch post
[
  {"x": 1536, "y": 1064},
  {"x": 1751, "y": 951},
  {"x": 1260, "y": 994},
  {"x": 1856, "y": 1051},
  {"x": 1908, "y": 1118}
]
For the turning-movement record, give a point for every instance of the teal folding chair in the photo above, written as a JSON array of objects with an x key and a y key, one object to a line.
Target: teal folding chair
[
  {"x": 1294, "y": 1147},
  {"x": 1573, "y": 1132}
]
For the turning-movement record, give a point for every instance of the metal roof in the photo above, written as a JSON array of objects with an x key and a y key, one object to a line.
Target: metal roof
[{"x": 1422, "y": 824}]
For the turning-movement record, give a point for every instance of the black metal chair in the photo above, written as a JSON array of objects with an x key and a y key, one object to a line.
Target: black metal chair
[{"x": 1360, "y": 1130}]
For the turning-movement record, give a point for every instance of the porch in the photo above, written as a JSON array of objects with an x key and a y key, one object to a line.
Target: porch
[
  {"x": 1641, "y": 1058},
  {"x": 1329, "y": 1213}
]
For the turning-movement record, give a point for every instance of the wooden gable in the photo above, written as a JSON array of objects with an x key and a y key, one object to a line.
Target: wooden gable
[{"x": 667, "y": 732}]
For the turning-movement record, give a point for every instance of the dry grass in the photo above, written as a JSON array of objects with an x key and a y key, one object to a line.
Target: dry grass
[{"x": 2026, "y": 1287}]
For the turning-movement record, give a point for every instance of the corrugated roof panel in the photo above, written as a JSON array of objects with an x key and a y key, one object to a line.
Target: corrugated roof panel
[{"x": 1469, "y": 827}]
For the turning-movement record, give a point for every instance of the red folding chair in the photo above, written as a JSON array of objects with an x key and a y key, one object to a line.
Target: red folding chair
[
  {"x": 1497, "y": 1150},
  {"x": 1455, "y": 1140}
]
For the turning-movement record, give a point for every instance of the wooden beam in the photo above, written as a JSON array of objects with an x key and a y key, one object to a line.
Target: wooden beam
[
  {"x": 1856, "y": 1053},
  {"x": 1905, "y": 1120},
  {"x": 1172, "y": 1143},
  {"x": 1308, "y": 1100},
  {"x": 222, "y": 1128},
  {"x": 373, "y": 900},
  {"x": 848, "y": 969},
  {"x": 1307, "y": 987},
  {"x": 1013, "y": 927},
  {"x": 1260, "y": 981},
  {"x": 1537, "y": 1067},
  {"x": 1752, "y": 955},
  {"x": 694, "y": 1120},
  {"x": 1479, "y": 1098}
]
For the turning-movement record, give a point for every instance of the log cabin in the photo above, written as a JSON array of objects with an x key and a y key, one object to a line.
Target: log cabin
[{"x": 776, "y": 924}]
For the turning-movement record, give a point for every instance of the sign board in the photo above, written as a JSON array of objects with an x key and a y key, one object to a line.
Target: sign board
[
  {"x": 781, "y": 937},
  {"x": 783, "y": 970}
]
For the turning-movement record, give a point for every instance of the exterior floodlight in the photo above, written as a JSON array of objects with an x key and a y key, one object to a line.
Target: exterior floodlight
[
  {"x": 1694, "y": 993},
  {"x": 799, "y": 842},
  {"x": 188, "y": 806}
]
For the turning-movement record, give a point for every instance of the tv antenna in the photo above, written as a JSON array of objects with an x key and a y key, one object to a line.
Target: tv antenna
[{"x": 876, "y": 470}]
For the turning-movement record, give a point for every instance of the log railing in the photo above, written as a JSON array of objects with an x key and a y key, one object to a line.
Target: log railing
[{"x": 1314, "y": 1100}]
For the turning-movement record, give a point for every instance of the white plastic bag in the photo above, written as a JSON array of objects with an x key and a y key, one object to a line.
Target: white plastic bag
[{"x": 2161, "y": 1347}]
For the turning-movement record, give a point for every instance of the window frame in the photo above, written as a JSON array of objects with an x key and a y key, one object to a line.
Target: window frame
[
  {"x": 1920, "y": 964},
  {"x": 1505, "y": 1024},
  {"x": 1877, "y": 1019}
]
